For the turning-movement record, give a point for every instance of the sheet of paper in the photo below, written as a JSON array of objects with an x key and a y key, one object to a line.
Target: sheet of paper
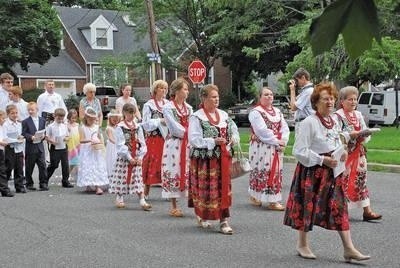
[
  {"x": 39, "y": 136},
  {"x": 341, "y": 167}
]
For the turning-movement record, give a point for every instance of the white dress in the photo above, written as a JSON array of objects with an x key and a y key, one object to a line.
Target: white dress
[
  {"x": 266, "y": 132},
  {"x": 171, "y": 159},
  {"x": 92, "y": 163},
  {"x": 111, "y": 151}
]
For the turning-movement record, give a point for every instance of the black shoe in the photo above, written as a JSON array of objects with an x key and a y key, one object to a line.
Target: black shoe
[
  {"x": 67, "y": 185},
  {"x": 7, "y": 194},
  {"x": 44, "y": 187},
  {"x": 31, "y": 188},
  {"x": 21, "y": 191}
]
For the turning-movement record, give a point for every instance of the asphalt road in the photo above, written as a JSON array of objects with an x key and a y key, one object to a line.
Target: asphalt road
[{"x": 69, "y": 228}]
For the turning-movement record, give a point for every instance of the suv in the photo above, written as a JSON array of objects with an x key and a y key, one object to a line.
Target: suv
[{"x": 240, "y": 112}]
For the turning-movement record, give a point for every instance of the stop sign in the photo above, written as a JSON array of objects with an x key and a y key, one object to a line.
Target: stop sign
[{"x": 197, "y": 71}]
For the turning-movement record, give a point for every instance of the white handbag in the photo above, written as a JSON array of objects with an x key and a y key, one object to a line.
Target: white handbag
[{"x": 244, "y": 162}]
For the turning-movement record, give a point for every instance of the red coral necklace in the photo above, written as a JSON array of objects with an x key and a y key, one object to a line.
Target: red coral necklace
[
  {"x": 183, "y": 111},
  {"x": 130, "y": 125},
  {"x": 210, "y": 119},
  {"x": 270, "y": 111},
  {"x": 158, "y": 106},
  {"x": 328, "y": 123},
  {"x": 352, "y": 119}
]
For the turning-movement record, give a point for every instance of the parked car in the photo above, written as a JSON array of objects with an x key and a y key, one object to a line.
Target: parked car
[
  {"x": 240, "y": 112},
  {"x": 107, "y": 96},
  {"x": 379, "y": 107}
]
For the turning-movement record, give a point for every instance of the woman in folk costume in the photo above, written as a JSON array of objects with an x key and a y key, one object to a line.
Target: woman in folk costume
[
  {"x": 153, "y": 123},
  {"x": 353, "y": 122},
  {"x": 269, "y": 136},
  {"x": 316, "y": 195},
  {"x": 212, "y": 135},
  {"x": 126, "y": 177},
  {"x": 175, "y": 159}
]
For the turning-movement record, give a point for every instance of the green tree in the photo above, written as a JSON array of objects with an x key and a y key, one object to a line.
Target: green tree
[{"x": 30, "y": 33}]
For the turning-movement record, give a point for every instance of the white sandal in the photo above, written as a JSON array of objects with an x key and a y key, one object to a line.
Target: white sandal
[
  {"x": 225, "y": 228},
  {"x": 203, "y": 223}
]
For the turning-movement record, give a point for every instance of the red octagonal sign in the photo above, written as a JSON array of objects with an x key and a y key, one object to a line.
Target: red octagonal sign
[{"x": 196, "y": 71}]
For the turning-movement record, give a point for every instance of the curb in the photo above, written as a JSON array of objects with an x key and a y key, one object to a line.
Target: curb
[{"x": 371, "y": 166}]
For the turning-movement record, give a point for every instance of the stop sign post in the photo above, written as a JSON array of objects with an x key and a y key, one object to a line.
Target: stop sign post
[{"x": 196, "y": 71}]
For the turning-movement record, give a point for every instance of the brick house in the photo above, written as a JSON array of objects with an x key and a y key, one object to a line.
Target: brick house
[{"x": 90, "y": 35}]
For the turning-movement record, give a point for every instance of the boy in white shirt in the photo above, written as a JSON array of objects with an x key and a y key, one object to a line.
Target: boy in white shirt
[
  {"x": 5, "y": 191},
  {"x": 14, "y": 150},
  {"x": 57, "y": 135}
]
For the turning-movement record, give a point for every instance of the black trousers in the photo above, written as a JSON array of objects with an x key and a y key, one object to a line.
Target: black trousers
[
  {"x": 3, "y": 174},
  {"x": 15, "y": 161},
  {"x": 40, "y": 160},
  {"x": 57, "y": 156}
]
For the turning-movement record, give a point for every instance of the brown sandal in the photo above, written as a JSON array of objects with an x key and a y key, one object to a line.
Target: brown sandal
[
  {"x": 275, "y": 206},
  {"x": 255, "y": 202},
  {"x": 176, "y": 212},
  {"x": 371, "y": 216}
]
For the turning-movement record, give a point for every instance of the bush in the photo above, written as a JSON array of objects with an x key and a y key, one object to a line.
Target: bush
[
  {"x": 32, "y": 94},
  {"x": 227, "y": 99},
  {"x": 72, "y": 102}
]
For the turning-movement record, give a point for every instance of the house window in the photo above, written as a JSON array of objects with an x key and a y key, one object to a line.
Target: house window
[
  {"x": 101, "y": 37},
  {"x": 62, "y": 87}
]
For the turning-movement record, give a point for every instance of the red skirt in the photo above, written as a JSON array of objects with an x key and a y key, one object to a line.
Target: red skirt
[
  {"x": 152, "y": 160},
  {"x": 205, "y": 189},
  {"x": 316, "y": 198}
]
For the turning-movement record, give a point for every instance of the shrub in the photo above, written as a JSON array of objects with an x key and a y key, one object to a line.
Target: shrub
[
  {"x": 32, "y": 94},
  {"x": 72, "y": 102}
]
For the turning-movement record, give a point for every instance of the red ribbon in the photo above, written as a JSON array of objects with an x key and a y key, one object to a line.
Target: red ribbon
[
  {"x": 226, "y": 162},
  {"x": 352, "y": 161},
  {"x": 275, "y": 163},
  {"x": 133, "y": 154},
  {"x": 182, "y": 179}
]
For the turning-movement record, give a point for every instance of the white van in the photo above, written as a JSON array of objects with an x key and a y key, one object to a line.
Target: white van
[{"x": 379, "y": 107}]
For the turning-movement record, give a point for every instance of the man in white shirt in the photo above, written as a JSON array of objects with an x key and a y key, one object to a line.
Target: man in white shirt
[
  {"x": 301, "y": 104},
  {"x": 49, "y": 101},
  {"x": 6, "y": 82}
]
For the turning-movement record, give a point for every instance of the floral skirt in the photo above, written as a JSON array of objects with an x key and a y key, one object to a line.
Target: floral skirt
[
  {"x": 152, "y": 160},
  {"x": 205, "y": 189},
  {"x": 316, "y": 198},
  {"x": 120, "y": 181}
]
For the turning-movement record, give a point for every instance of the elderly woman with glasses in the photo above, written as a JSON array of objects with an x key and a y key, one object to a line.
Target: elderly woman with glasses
[{"x": 90, "y": 100}]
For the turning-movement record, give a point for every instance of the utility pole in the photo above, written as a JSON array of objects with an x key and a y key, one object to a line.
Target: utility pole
[{"x": 155, "y": 59}]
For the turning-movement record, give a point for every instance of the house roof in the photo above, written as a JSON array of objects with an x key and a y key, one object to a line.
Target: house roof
[
  {"x": 61, "y": 66},
  {"x": 126, "y": 38}
]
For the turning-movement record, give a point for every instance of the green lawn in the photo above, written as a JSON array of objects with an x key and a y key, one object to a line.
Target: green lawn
[{"x": 384, "y": 146}]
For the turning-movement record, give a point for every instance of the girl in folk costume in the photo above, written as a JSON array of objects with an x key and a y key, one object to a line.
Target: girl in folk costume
[
  {"x": 269, "y": 136},
  {"x": 92, "y": 172},
  {"x": 126, "y": 177},
  {"x": 153, "y": 123},
  {"x": 353, "y": 122},
  {"x": 73, "y": 143},
  {"x": 175, "y": 159},
  {"x": 211, "y": 135},
  {"x": 111, "y": 152}
]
